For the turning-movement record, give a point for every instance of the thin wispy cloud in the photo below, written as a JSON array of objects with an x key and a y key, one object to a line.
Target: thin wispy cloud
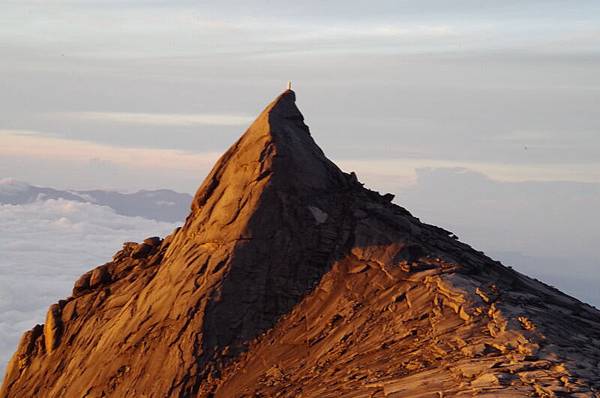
[
  {"x": 195, "y": 29},
  {"x": 41, "y": 146},
  {"x": 159, "y": 119},
  {"x": 28, "y": 144}
]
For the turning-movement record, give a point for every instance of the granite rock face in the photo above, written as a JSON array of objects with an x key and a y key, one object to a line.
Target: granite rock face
[{"x": 290, "y": 279}]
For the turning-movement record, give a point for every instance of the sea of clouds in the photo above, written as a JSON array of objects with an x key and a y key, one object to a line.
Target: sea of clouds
[{"x": 45, "y": 246}]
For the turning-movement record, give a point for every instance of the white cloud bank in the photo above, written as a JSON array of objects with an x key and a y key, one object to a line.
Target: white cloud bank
[{"x": 45, "y": 247}]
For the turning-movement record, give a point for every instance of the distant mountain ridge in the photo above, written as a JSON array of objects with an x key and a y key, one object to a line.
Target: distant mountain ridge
[{"x": 160, "y": 205}]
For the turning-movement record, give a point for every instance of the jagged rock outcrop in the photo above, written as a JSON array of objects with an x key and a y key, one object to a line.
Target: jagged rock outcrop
[{"x": 291, "y": 279}]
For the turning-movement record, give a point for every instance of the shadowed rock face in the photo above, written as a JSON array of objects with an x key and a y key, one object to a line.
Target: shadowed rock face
[{"x": 290, "y": 279}]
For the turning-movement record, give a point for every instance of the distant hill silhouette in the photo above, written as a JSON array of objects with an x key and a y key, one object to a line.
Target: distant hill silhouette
[{"x": 160, "y": 205}]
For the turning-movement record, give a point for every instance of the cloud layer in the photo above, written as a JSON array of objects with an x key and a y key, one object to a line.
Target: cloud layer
[{"x": 45, "y": 247}]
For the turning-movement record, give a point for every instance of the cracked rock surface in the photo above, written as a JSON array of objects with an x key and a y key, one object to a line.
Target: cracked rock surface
[{"x": 290, "y": 279}]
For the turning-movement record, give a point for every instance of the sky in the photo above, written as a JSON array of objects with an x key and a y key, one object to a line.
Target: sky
[
  {"x": 96, "y": 94},
  {"x": 481, "y": 116}
]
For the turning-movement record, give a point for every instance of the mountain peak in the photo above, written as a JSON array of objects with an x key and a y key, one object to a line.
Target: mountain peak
[
  {"x": 285, "y": 104},
  {"x": 276, "y": 149},
  {"x": 282, "y": 108},
  {"x": 290, "y": 279}
]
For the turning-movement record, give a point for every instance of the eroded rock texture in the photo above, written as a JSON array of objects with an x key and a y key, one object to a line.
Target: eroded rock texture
[{"x": 289, "y": 279}]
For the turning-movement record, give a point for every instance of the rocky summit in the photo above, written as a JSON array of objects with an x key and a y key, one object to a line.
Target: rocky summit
[{"x": 291, "y": 279}]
